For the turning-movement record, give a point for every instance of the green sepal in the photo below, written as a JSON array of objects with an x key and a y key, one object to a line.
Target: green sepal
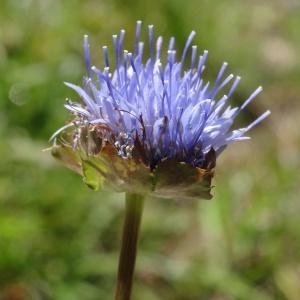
[
  {"x": 67, "y": 156},
  {"x": 181, "y": 181},
  {"x": 91, "y": 176}
]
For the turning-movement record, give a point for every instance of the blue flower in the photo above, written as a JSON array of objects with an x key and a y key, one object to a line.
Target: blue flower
[{"x": 153, "y": 110}]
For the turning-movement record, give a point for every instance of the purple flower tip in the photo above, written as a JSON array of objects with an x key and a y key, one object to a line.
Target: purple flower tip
[{"x": 166, "y": 106}]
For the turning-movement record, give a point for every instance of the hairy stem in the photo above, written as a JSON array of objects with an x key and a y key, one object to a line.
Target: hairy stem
[{"x": 133, "y": 215}]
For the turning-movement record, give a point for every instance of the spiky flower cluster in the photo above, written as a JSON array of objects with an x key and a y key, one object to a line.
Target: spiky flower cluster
[{"x": 163, "y": 109}]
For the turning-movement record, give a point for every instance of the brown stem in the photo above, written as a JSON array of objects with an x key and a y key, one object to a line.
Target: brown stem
[{"x": 133, "y": 215}]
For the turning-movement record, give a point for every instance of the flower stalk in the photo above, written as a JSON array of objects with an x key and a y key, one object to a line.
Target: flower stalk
[{"x": 133, "y": 215}]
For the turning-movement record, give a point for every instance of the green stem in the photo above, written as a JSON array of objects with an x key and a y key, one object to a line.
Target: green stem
[{"x": 133, "y": 215}]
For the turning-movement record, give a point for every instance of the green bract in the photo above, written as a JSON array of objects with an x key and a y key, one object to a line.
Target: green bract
[{"x": 101, "y": 166}]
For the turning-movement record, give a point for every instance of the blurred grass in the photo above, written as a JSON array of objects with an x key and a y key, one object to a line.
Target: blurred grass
[{"x": 59, "y": 240}]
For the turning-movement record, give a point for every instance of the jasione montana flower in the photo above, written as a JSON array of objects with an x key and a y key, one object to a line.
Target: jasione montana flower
[{"x": 151, "y": 125}]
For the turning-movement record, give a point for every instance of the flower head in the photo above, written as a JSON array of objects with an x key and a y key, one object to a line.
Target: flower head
[{"x": 154, "y": 117}]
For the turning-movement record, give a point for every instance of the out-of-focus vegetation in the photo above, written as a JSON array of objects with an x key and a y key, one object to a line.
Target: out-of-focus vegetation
[{"x": 59, "y": 240}]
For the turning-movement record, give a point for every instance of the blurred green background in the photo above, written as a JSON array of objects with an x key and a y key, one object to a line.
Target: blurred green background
[{"x": 59, "y": 240}]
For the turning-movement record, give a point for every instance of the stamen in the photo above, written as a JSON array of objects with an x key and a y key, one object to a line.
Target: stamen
[
  {"x": 108, "y": 83},
  {"x": 105, "y": 54},
  {"x": 234, "y": 86},
  {"x": 258, "y": 120},
  {"x": 141, "y": 48},
  {"x": 187, "y": 45},
  {"x": 137, "y": 36},
  {"x": 121, "y": 42},
  {"x": 158, "y": 47},
  {"x": 221, "y": 72},
  {"x": 171, "y": 43},
  {"x": 87, "y": 56},
  {"x": 136, "y": 74},
  {"x": 224, "y": 83},
  {"x": 203, "y": 92},
  {"x": 161, "y": 71},
  {"x": 193, "y": 57},
  {"x": 116, "y": 48},
  {"x": 171, "y": 58},
  {"x": 251, "y": 97},
  {"x": 150, "y": 33},
  {"x": 202, "y": 60},
  {"x": 125, "y": 73}
]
